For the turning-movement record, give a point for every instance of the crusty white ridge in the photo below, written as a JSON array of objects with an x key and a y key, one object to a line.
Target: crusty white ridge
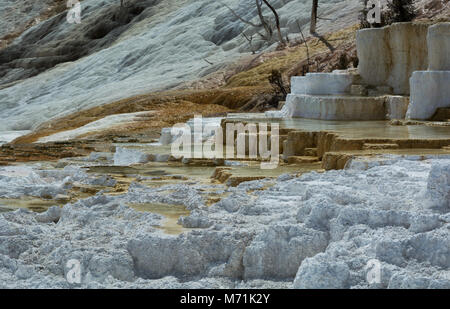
[{"x": 318, "y": 230}]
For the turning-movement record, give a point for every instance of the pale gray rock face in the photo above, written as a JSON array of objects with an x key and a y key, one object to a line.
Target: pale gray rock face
[
  {"x": 56, "y": 41},
  {"x": 315, "y": 275},
  {"x": 279, "y": 250},
  {"x": 196, "y": 254},
  {"x": 389, "y": 55},
  {"x": 429, "y": 91},
  {"x": 439, "y": 47},
  {"x": 14, "y": 15}
]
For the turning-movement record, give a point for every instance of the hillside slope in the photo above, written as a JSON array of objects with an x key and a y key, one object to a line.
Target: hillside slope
[{"x": 167, "y": 43}]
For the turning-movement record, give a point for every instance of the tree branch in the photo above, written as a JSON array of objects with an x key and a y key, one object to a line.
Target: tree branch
[
  {"x": 277, "y": 21},
  {"x": 241, "y": 19}
]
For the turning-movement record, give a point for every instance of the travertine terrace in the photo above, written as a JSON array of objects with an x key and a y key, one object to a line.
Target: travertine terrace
[{"x": 89, "y": 175}]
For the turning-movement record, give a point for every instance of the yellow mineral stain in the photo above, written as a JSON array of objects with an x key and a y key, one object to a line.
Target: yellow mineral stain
[
  {"x": 171, "y": 213},
  {"x": 32, "y": 203}
]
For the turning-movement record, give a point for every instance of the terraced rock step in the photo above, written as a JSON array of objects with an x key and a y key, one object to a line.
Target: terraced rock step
[
  {"x": 221, "y": 174},
  {"x": 337, "y": 160},
  {"x": 203, "y": 162},
  {"x": 442, "y": 114},
  {"x": 224, "y": 175},
  {"x": 380, "y": 146},
  {"x": 302, "y": 159},
  {"x": 358, "y": 90},
  {"x": 43, "y": 152},
  {"x": 335, "y": 107},
  {"x": 234, "y": 181},
  {"x": 312, "y": 152}
]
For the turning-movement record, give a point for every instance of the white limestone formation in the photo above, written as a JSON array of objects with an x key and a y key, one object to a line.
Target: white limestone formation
[
  {"x": 298, "y": 84},
  {"x": 337, "y": 82},
  {"x": 389, "y": 55},
  {"x": 332, "y": 96},
  {"x": 276, "y": 114},
  {"x": 127, "y": 156},
  {"x": 166, "y": 137},
  {"x": 320, "y": 96},
  {"x": 439, "y": 47},
  {"x": 328, "y": 83},
  {"x": 429, "y": 91},
  {"x": 334, "y": 107},
  {"x": 396, "y": 107}
]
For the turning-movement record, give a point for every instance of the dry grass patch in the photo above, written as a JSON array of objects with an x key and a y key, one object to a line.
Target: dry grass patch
[{"x": 257, "y": 71}]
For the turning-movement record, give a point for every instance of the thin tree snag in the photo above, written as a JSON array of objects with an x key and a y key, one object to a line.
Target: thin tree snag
[
  {"x": 241, "y": 19},
  {"x": 264, "y": 23},
  {"x": 312, "y": 28},
  {"x": 277, "y": 21},
  {"x": 304, "y": 41}
]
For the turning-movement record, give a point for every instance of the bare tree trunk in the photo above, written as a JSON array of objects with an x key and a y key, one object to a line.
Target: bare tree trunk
[
  {"x": 277, "y": 20},
  {"x": 304, "y": 41},
  {"x": 264, "y": 23},
  {"x": 312, "y": 28}
]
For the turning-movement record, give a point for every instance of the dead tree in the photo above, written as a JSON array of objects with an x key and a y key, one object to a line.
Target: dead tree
[
  {"x": 263, "y": 22},
  {"x": 277, "y": 21},
  {"x": 315, "y": 5},
  {"x": 304, "y": 41}
]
